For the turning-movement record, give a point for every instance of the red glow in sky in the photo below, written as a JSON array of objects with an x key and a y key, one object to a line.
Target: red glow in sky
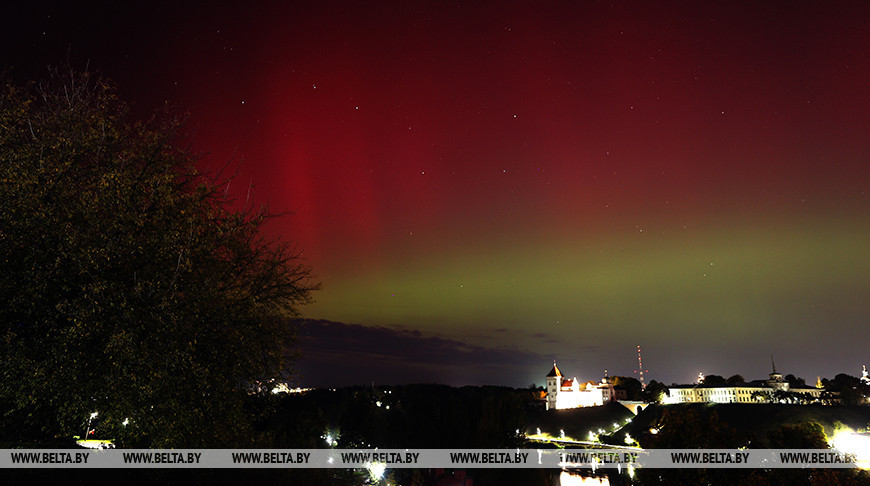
[{"x": 548, "y": 178}]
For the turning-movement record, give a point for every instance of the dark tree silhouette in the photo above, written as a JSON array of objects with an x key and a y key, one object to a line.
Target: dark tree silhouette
[
  {"x": 735, "y": 380},
  {"x": 130, "y": 286},
  {"x": 655, "y": 392},
  {"x": 714, "y": 380}
]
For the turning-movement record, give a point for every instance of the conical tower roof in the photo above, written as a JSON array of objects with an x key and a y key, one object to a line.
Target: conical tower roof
[{"x": 554, "y": 372}]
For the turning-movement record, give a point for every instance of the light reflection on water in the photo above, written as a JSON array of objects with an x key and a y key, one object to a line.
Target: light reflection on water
[{"x": 568, "y": 479}]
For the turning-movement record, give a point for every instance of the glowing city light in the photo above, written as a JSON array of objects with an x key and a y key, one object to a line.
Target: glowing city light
[
  {"x": 376, "y": 470},
  {"x": 850, "y": 442},
  {"x": 330, "y": 439},
  {"x": 567, "y": 478}
]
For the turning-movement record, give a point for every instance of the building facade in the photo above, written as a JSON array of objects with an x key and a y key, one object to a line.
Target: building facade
[
  {"x": 564, "y": 393},
  {"x": 758, "y": 391}
]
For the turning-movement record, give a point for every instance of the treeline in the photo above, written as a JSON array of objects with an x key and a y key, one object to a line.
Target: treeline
[
  {"x": 851, "y": 390},
  {"x": 408, "y": 416},
  {"x": 397, "y": 417}
]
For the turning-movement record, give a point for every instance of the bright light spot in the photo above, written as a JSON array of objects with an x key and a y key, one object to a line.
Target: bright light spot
[
  {"x": 125, "y": 422},
  {"x": 330, "y": 460},
  {"x": 850, "y": 442},
  {"x": 376, "y": 470},
  {"x": 94, "y": 415},
  {"x": 378, "y": 403},
  {"x": 283, "y": 388},
  {"x": 538, "y": 429},
  {"x": 568, "y": 479},
  {"x": 628, "y": 439},
  {"x": 96, "y": 444},
  {"x": 330, "y": 440},
  {"x": 654, "y": 431},
  {"x": 561, "y": 433}
]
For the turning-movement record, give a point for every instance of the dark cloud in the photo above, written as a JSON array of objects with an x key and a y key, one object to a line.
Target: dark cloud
[{"x": 338, "y": 354}]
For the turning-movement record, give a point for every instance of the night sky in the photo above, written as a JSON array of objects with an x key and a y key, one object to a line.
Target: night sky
[{"x": 484, "y": 187}]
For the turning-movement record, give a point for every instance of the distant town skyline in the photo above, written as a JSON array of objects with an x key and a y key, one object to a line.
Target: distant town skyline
[{"x": 492, "y": 186}]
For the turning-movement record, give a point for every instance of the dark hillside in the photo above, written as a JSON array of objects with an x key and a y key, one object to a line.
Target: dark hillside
[{"x": 751, "y": 423}]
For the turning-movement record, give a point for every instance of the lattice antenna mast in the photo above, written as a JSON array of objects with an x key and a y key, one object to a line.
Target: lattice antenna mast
[{"x": 640, "y": 371}]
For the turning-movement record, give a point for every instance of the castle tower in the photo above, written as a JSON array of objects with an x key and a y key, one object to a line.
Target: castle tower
[{"x": 554, "y": 382}]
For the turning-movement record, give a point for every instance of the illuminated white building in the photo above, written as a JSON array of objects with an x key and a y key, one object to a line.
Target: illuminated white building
[
  {"x": 565, "y": 393},
  {"x": 758, "y": 391}
]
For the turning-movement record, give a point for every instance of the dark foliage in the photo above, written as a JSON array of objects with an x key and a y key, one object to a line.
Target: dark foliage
[{"x": 130, "y": 287}]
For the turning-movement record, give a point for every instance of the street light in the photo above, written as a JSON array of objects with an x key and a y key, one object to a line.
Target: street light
[{"x": 88, "y": 429}]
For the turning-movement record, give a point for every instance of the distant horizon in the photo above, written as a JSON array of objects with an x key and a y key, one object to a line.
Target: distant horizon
[{"x": 320, "y": 342}]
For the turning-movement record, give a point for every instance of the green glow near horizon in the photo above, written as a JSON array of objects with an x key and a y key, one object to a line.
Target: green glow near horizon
[{"x": 737, "y": 282}]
